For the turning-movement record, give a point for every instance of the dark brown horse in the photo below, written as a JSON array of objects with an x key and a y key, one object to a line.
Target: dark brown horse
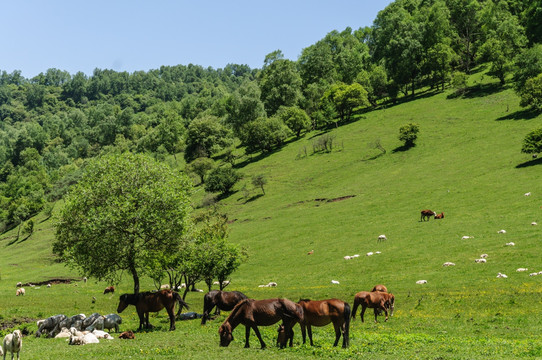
[
  {"x": 253, "y": 313},
  {"x": 223, "y": 300},
  {"x": 375, "y": 300},
  {"x": 321, "y": 313},
  {"x": 146, "y": 302},
  {"x": 426, "y": 214}
]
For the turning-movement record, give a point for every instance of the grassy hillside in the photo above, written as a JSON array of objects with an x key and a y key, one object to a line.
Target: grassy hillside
[{"x": 466, "y": 163}]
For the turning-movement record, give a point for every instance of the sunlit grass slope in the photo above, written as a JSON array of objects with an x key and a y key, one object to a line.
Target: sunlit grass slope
[{"x": 466, "y": 163}]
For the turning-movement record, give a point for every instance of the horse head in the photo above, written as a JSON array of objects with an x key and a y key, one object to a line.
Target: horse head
[
  {"x": 281, "y": 336},
  {"x": 226, "y": 336},
  {"x": 124, "y": 301}
]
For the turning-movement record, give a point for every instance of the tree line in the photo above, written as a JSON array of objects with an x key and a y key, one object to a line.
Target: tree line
[{"x": 52, "y": 123}]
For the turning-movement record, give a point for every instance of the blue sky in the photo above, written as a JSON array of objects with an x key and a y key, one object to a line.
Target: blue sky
[{"x": 135, "y": 35}]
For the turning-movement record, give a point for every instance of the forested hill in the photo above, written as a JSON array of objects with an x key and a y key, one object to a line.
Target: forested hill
[{"x": 52, "y": 123}]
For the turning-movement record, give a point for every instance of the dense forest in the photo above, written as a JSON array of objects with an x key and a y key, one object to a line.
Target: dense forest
[{"x": 51, "y": 123}]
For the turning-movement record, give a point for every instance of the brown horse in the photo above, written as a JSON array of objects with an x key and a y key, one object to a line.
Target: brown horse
[
  {"x": 321, "y": 313},
  {"x": 426, "y": 214},
  {"x": 146, "y": 302},
  {"x": 381, "y": 288},
  {"x": 375, "y": 300},
  {"x": 223, "y": 300},
  {"x": 253, "y": 313}
]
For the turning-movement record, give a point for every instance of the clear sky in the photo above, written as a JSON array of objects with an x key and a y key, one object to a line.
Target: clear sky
[{"x": 135, "y": 35}]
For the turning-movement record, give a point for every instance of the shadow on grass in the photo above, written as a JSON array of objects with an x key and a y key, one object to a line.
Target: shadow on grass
[
  {"x": 479, "y": 90},
  {"x": 252, "y": 198},
  {"x": 526, "y": 114},
  {"x": 402, "y": 148},
  {"x": 533, "y": 162}
]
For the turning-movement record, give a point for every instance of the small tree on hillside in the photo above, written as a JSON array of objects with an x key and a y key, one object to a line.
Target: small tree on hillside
[
  {"x": 200, "y": 167},
  {"x": 408, "y": 134},
  {"x": 531, "y": 94},
  {"x": 532, "y": 144},
  {"x": 259, "y": 181},
  {"x": 221, "y": 179}
]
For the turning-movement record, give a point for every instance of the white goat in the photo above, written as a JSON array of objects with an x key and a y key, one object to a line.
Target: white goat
[
  {"x": 510, "y": 244},
  {"x": 421, "y": 282},
  {"x": 522, "y": 269},
  {"x": 480, "y": 260},
  {"x": 533, "y": 274},
  {"x": 534, "y": 223},
  {"x": 382, "y": 237},
  {"x": 335, "y": 282},
  {"x": 370, "y": 253},
  {"x": 499, "y": 275},
  {"x": 501, "y": 231},
  {"x": 448, "y": 264},
  {"x": 528, "y": 193},
  {"x": 467, "y": 237},
  {"x": 13, "y": 343},
  {"x": 347, "y": 257}
]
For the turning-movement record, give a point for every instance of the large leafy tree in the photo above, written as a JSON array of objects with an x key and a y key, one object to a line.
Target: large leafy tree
[
  {"x": 126, "y": 211},
  {"x": 345, "y": 99},
  {"x": 532, "y": 144}
]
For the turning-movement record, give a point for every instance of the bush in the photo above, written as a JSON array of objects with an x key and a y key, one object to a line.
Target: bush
[
  {"x": 221, "y": 179},
  {"x": 531, "y": 94},
  {"x": 532, "y": 144},
  {"x": 408, "y": 134}
]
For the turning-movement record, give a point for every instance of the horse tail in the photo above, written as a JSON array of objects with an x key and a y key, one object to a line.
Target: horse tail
[
  {"x": 179, "y": 299},
  {"x": 356, "y": 304},
  {"x": 346, "y": 334}
]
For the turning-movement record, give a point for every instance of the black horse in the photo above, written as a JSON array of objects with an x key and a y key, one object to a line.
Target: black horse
[{"x": 223, "y": 300}]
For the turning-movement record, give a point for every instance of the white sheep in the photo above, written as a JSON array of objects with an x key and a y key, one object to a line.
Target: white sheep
[
  {"x": 483, "y": 256},
  {"x": 510, "y": 244},
  {"x": 377, "y": 252},
  {"x": 347, "y": 257},
  {"x": 528, "y": 193},
  {"x": 64, "y": 333},
  {"x": 13, "y": 343},
  {"x": 164, "y": 287},
  {"x": 370, "y": 253},
  {"x": 534, "y": 223},
  {"x": 102, "y": 335},
  {"x": 499, "y": 275},
  {"x": 501, "y": 231},
  {"x": 382, "y": 237},
  {"x": 355, "y": 256},
  {"x": 467, "y": 237},
  {"x": 522, "y": 269},
  {"x": 20, "y": 291},
  {"x": 272, "y": 284},
  {"x": 480, "y": 260},
  {"x": 421, "y": 282},
  {"x": 335, "y": 282},
  {"x": 540, "y": 273},
  {"x": 448, "y": 264},
  {"x": 533, "y": 274}
]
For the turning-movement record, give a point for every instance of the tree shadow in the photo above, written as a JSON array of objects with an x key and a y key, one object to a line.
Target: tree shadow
[
  {"x": 403, "y": 148},
  {"x": 533, "y": 162},
  {"x": 481, "y": 90},
  {"x": 526, "y": 114},
  {"x": 252, "y": 198}
]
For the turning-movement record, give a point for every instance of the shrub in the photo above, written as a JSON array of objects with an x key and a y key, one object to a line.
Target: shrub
[
  {"x": 408, "y": 134},
  {"x": 221, "y": 179}
]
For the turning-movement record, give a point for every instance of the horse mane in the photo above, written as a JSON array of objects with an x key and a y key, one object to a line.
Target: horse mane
[
  {"x": 235, "y": 310},
  {"x": 300, "y": 300}
]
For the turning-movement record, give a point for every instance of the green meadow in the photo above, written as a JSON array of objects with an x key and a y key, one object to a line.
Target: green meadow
[{"x": 466, "y": 163}]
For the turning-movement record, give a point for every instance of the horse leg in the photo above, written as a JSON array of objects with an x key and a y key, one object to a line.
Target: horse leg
[
  {"x": 309, "y": 330},
  {"x": 141, "y": 315},
  {"x": 262, "y": 343},
  {"x": 376, "y": 313},
  {"x": 386, "y": 311},
  {"x": 247, "y": 335},
  {"x": 363, "y": 307},
  {"x": 337, "y": 328},
  {"x": 303, "y": 332},
  {"x": 171, "y": 313}
]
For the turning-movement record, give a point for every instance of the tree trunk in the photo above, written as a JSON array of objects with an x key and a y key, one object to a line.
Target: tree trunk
[{"x": 136, "y": 280}]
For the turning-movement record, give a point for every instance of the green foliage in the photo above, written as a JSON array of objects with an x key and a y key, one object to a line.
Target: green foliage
[
  {"x": 345, "y": 99},
  {"x": 125, "y": 212},
  {"x": 528, "y": 64},
  {"x": 532, "y": 144},
  {"x": 259, "y": 181},
  {"x": 206, "y": 136},
  {"x": 221, "y": 179},
  {"x": 280, "y": 84},
  {"x": 264, "y": 134},
  {"x": 295, "y": 118},
  {"x": 409, "y": 133},
  {"x": 531, "y": 93},
  {"x": 459, "y": 82},
  {"x": 200, "y": 167}
]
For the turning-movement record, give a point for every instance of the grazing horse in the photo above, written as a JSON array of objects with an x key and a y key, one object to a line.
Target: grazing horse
[
  {"x": 146, "y": 302},
  {"x": 426, "y": 214},
  {"x": 253, "y": 313},
  {"x": 381, "y": 288},
  {"x": 375, "y": 300},
  {"x": 321, "y": 313},
  {"x": 439, "y": 216},
  {"x": 223, "y": 300}
]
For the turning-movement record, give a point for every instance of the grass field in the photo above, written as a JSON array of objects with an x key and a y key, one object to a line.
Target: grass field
[{"x": 466, "y": 163}]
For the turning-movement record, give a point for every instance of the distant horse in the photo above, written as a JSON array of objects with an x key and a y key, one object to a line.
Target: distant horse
[
  {"x": 321, "y": 313},
  {"x": 381, "y": 288},
  {"x": 375, "y": 300},
  {"x": 253, "y": 313},
  {"x": 146, "y": 302},
  {"x": 426, "y": 214},
  {"x": 223, "y": 300}
]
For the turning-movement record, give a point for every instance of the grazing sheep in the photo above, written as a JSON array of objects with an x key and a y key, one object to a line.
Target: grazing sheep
[
  {"x": 448, "y": 264},
  {"x": 510, "y": 244},
  {"x": 501, "y": 231},
  {"x": 20, "y": 291},
  {"x": 480, "y": 260},
  {"x": 483, "y": 256},
  {"x": 13, "y": 343},
  {"x": 421, "y": 282},
  {"x": 467, "y": 237},
  {"x": 335, "y": 282},
  {"x": 528, "y": 193},
  {"x": 112, "y": 321},
  {"x": 499, "y": 275},
  {"x": 347, "y": 257},
  {"x": 370, "y": 253},
  {"x": 534, "y": 223},
  {"x": 522, "y": 269},
  {"x": 533, "y": 274},
  {"x": 382, "y": 238},
  {"x": 164, "y": 287}
]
